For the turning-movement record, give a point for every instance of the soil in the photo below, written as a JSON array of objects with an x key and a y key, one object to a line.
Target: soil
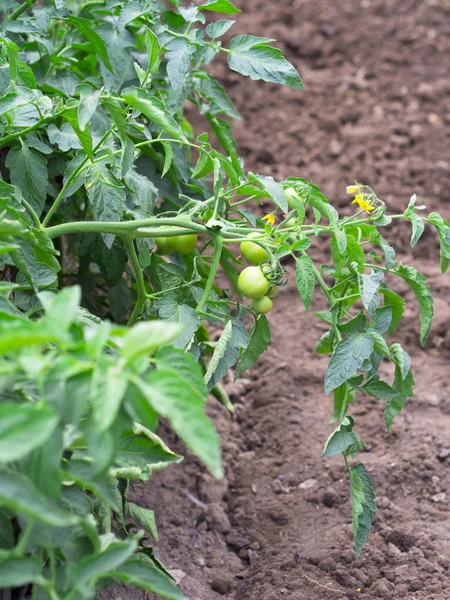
[{"x": 376, "y": 108}]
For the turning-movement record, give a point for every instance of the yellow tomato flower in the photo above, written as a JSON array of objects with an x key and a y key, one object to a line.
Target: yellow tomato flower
[
  {"x": 352, "y": 189},
  {"x": 363, "y": 204},
  {"x": 270, "y": 218},
  {"x": 359, "y": 200}
]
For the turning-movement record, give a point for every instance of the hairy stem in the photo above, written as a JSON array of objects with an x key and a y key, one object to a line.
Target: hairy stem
[
  {"x": 212, "y": 273},
  {"x": 142, "y": 294}
]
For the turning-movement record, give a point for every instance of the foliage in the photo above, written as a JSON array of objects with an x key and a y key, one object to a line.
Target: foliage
[{"x": 101, "y": 331}]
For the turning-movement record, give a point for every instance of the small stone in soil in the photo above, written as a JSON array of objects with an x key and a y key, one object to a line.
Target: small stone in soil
[
  {"x": 444, "y": 453},
  {"x": 309, "y": 483}
]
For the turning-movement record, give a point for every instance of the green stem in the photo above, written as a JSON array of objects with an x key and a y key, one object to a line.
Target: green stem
[
  {"x": 13, "y": 136},
  {"x": 72, "y": 176},
  {"x": 32, "y": 213},
  {"x": 142, "y": 293},
  {"x": 346, "y": 463},
  {"x": 126, "y": 227},
  {"x": 217, "y": 240},
  {"x": 19, "y": 10},
  {"x": 20, "y": 548}
]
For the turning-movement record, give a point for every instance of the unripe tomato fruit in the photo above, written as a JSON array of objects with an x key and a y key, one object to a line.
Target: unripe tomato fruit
[
  {"x": 253, "y": 252},
  {"x": 290, "y": 195},
  {"x": 184, "y": 243},
  {"x": 165, "y": 244},
  {"x": 252, "y": 283},
  {"x": 262, "y": 305}
]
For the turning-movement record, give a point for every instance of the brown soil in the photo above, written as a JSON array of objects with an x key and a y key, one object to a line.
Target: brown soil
[{"x": 377, "y": 109}]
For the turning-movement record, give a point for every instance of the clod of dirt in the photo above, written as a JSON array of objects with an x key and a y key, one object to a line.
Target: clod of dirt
[
  {"x": 402, "y": 541},
  {"x": 211, "y": 490},
  {"x": 306, "y": 485},
  {"x": 217, "y": 519},
  {"x": 222, "y": 583},
  {"x": 444, "y": 453},
  {"x": 330, "y": 498}
]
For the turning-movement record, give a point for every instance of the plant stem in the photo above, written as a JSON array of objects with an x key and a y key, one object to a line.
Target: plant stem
[
  {"x": 217, "y": 240},
  {"x": 72, "y": 176},
  {"x": 32, "y": 213},
  {"x": 19, "y": 10},
  {"x": 142, "y": 294},
  {"x": 13, "y": 136}
]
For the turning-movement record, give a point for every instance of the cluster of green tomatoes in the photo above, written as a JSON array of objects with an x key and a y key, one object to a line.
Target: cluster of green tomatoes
[{"x": 252, "y": 282}]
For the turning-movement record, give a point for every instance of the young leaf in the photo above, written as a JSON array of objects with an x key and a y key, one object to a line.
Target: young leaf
[
  {"x": 363, "y": 505},
  {"x": 107, "y": 203},
  {"x": 28, "y": 170},
  {"x": 259, "y": 342},
  {"x": 443, "y": 229},
  {"x": 87, "y": 107},
  {"x": 401, "y": 358},
  {"x": 343, "y": 440},
  {"x": 348, "y": 356},
  {"x": 233, "y": 338},
  {"x": 179, "y": 55},
  {"x": 379, "y": 389},
  {"x": 368, "y": 287},
  {"x": 249, "y": 56},
  {"x": 168, "y": 158},
  {"x": 273, "y": 189},
  {"x": 153, "y": 51},
  {"x": 153, "y": 109},
  {"x": 144, "y": 516},
  {"x": 397, "y": 305},
  {"x": 381, "y": 319},
  {"x": 305, "y": 279},
  {"x": 84, "y": 26},
  {"x": 218, "y": 28},
  {"x": 404, "y": 388},
  {"x": 419, "y": 286},
  {"x": 222, "y": 6}
]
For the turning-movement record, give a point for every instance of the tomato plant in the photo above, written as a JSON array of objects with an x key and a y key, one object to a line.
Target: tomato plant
[{"x": 115, "y": 220}]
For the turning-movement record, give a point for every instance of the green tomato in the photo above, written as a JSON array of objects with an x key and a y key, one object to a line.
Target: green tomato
[
  {"x": 165, "y": 244},
  {"x": 290, "y": 195},
  {"x": 184, "y": 243},
  {"x": 262, "y": 305},
  {"x": 252, "y": 283},
  {"x": 252, "y": 252}
]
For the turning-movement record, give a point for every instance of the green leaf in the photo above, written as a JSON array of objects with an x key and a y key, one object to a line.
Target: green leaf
[
  {"x": 368, "y": 287},
  {"x": 418, "y": 227},
  {"x": 381, "y": 319},
  {"x": 179, "y": 54},
  {"x": 222, "y": 6},
  {"x": 108, "y": 389},
  {"x": 343, "y": 440},
  {"x": 348, "y": 356},
  {"x": 274, "y": 189},
  {"x": 249, "y": 56},
  {"x": 171, "y": 396},
  {"x": 153, "y": 51},
  {"x": 107, "y": 203},
  {"x": 219, "y": 28},
  {"x": 396, "y": 303},
  {"x": 343, "y": 396},
  {"x": 171, "y": 311},
  {"x": 404, "y": 388},
  {"x": 355, "y": 253},
  {"x": 144, "y": 516},
  {"x": 219, "y": 102},
  {"x": 145, "y": 575},
  {"x": 140, "y": 451},
  {"x": 87, "y": 107},
  {"x": 233, "y": 338},
  {"x": 16, "y": 572},
  {"x": 305, "y": 279},
  {"x": 24, "y": 427},
  {"x": 419, "y": 286},
  {"x": 379, "y": 389},
  {"x": 28, "y": 170},
  {"x": 324, "y": 345},
  {"x": 259, "y": 342},
  {"x": 65, "y": 138},
  {"x": 84, "y": 26},
  {"x": 168, "y": 158},
  {"x": 100, "y": 564},
  {"x": 153, "y": 109},
  {"x": 401, "y": 358},
  {"x": 144, "y": 338},
  {"x": 18, "y": 494},
  {"x": 443, "y": 229},
  {"x": 184, "y": 364},
  {"x": 84, "y": 136},
  {"x": 363, "y": 505}
]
